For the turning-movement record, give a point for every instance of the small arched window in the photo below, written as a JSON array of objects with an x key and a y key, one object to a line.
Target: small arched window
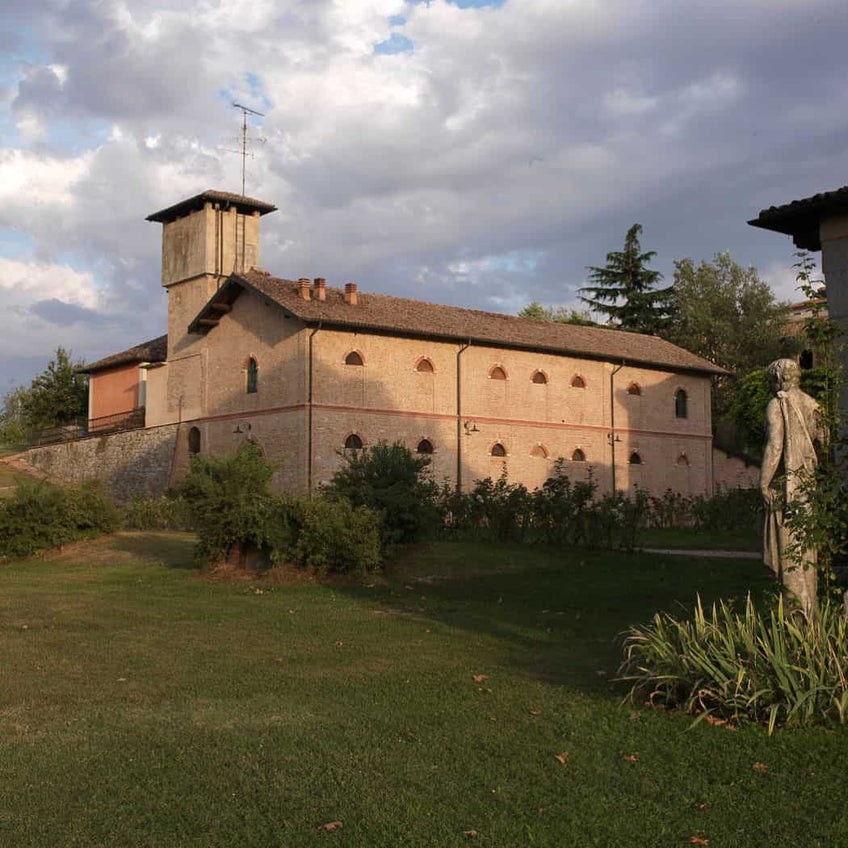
[
  {"x": 354, "y": 358},
  {"x": 353, "y": 442},
  {"x": 635, "y": 459},
  {"x": 539, "y": 451},
  {"x": 578, "y": 456},
  {"x": 577, "y": 382},
  {"x": 497, "y": 373},
  {"x": 425, "y": 446},
  {"x": 539, "y": 378},
  {"x": 498, "y": 449},
  {"x": 424, "y": 366},
  {"x": 683, "y": 460},
  {"x": 194, "y": 441},
  {"x": 252, "y": 376},
  {"x": 680, "y": 404},
  {"x": 633, "y": 389}
]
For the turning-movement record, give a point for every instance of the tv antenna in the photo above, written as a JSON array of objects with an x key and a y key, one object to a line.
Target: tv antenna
[{"x": 244, "y": 141}]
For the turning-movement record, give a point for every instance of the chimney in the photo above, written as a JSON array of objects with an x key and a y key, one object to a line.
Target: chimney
[
  {"x": 303, "y": 288},
  {"x": 350, "y": 293},
  {"x": 320, "y": 288}
]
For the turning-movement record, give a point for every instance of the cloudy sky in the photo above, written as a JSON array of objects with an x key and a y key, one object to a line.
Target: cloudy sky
[{"x": 474, "y": 152}]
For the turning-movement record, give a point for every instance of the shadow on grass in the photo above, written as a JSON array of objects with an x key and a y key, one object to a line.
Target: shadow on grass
[
  {"x": 172, "y": 549},
  {"x": 559, "y": 616}
]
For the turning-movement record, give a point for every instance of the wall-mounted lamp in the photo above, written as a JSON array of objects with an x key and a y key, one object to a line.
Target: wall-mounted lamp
[
  {"x": 613, "y": 439},
  {"x": 470, "y": 427}
]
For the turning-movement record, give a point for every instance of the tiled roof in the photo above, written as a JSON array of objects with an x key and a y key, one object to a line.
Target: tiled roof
[
  {"x": 242, "y": 203},
  {"x": 400, "y": 316},
  {"x": 800, "y": 218},
  {"x": 156, "y": 350}
]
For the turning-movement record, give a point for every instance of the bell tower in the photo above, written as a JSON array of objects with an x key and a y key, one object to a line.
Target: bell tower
[{"x": 204, "y": 240}]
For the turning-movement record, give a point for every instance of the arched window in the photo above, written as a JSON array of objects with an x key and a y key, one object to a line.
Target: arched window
[
  {"x": 635, "y": 459},
  {"x": 425, "y": 446},
  {"x": 354, "y": 358},
  {"x": 577, "y": 382},
  {"x": 539, "y": 378},
  {"x": 578, "y": 456},
  {"x": 252, "y": 376},
  {"x": 680, "y": 399},
  {"x": 353, "y": 442},
  {"x": 498, "y": 449},
  {"x": 424, "y": 366},
  {"x": 497, "y": 373},
  {"x": 194, "y": 441},
  {"x": 539, "y": 451},
  {"x": 633, "y": 389},
  {"x": 683, "y": 460}
]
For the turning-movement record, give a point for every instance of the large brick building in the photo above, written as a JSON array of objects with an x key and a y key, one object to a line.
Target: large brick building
[{"x": 309, "y": 371}]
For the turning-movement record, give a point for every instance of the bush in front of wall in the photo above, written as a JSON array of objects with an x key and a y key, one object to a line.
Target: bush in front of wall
[
  {"x": 333, "y": 535},
  {"x": 41, "y": 515},
  {"x": 394, "y": 481},
  {"x": 232, "y": 507},
  {"x": 156, "y": 512}
]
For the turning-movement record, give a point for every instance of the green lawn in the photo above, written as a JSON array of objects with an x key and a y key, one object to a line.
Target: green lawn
[
  {"x": 142, "y": 705},
  {"x": 703, "y": 540}
]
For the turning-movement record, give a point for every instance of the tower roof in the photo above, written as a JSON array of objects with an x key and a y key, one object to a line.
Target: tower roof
[{"x": 192, "y": 204}]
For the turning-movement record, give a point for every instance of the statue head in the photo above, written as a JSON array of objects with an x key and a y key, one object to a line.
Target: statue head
[{"x": 784, "y": 374}]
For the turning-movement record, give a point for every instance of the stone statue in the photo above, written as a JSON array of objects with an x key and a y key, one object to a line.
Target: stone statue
[{"x": 793, "y": 426}]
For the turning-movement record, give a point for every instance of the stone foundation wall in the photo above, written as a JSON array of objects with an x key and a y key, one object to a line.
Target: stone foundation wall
[{"x": 126, "y": 463}]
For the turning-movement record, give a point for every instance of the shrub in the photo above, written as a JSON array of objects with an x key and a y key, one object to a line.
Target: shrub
[
  {"x": 41, "y": 515},
  {"x": 562, "y": 508},
  {"x": 772, "y": 669},
  {"x": 230, "y": 503},
  {"x": 727, "y": 509},
  {"x": 393, "y": 481},
  {"x": 671, "y": 509},
  {"x": 615, "y": 521},
  {"x": 333, "y": 535},
  {"x": 502, "y": 510},
  {"x": 155, "y": 512}
]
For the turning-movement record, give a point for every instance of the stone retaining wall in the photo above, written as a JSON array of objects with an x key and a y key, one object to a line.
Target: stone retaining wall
[{"x": 126, "y": 463}]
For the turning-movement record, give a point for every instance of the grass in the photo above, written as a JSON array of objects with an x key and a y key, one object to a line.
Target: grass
[
  {"x": 142, "y": 704},
  {"x": 704, "y": 540}
]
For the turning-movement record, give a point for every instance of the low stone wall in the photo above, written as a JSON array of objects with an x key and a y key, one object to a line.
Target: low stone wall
[{"x": 126, "y": 463}]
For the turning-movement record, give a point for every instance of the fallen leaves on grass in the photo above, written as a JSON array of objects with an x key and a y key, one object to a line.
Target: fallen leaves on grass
[
  {"x": 332, "y": 825},
  {"x": 278, "y": 659},
  {"x": 760, "y": 767},
  {"x": 535, "y": 712},
  {"x": 719, "y": 722},
  {"x": 339, "y": 643},
  {"x": 563, "y": 757},
  {"x": 635, "y": 716},
  {"x": 698, "y": 840},
  {"x": 480, "y": 678},
  {"x": 470, "y": 833},
  {"x": 630, "y": 758}
]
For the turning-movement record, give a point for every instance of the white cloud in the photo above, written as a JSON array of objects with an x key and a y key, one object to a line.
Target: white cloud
[{"x": 539, "y": 128}]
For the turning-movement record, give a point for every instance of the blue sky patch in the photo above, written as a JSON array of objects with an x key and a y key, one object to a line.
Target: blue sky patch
[{"x": 396, "y": 43}]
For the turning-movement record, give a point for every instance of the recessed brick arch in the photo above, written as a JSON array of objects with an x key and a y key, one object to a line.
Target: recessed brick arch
[
  {"x": 539, "y": 451},
  {"x": 498, "y": 372},
  {"x": 424, "y": 365},
  {"x": 353, "y": 441},
  {"x": 634, "y": 389},
  {"x": 354, "y": 357},
  {"x": 539, "y": 377},
  {"x": 498, "y": 450},
  {"x": 578, "y": 382}
]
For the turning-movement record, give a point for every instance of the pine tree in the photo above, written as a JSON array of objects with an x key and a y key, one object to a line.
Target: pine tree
[{"x": 625, "y": 290}]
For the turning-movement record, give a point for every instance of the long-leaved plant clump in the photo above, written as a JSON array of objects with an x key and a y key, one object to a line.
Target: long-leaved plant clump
[{"x": 775, "y": 669}]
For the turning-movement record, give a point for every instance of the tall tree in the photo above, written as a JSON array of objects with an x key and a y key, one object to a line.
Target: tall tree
[
  {"x": 56, "y": 396},
  {"x": 557, "y": 314},
  {"x": 727, "y": 314},
  {"x": 625, "y": 289}
]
